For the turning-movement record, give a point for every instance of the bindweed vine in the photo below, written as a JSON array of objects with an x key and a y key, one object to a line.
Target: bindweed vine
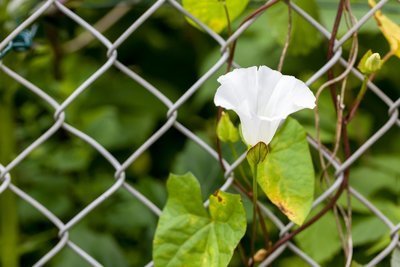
[{"x": 277, "y": 150}]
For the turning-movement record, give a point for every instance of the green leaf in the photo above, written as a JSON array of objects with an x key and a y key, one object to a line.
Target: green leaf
[
  {"x": 320, "y": 249},
  {"x": 102, "y": 246},
  {"x": 378, "y": 246},
  {"x": 395, "y": 259},
  {"x": 69, "y": 157},
  {"x": 287, "y": 175},
  {"x": 364, "y": 225},
  {"x": 226, "y": 131},
  {"x": 294, "y": 261},
  {"x": 115, "y": 216},
  {"x": 304, "y": 37},
  {"x": 212, "y": 12},
  {"x": 355, "y": 264},
  {"x": 382, "y": 175},
  {"x": 201, "y": 165},
  {"x": 187, "y": 235}
]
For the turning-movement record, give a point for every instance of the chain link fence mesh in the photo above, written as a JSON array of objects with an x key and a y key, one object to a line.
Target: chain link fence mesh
[{"x": 6, "y": 182}]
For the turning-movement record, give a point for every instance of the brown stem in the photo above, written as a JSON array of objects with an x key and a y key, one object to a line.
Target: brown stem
[
  {"x": 229, "y": 63},
  {"x": 54, "y": 39},
  {"x": 267, "y": 243},
  {"x": 288, "y": 36},
  {"x": 330, "y": 49},
  {"x": 219, "y": 146},
  {"x": 357, "y": 102},
  {"x": 257, "y": 12}
]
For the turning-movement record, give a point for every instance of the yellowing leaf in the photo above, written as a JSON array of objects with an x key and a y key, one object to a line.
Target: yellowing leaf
[
  {"x": 287, "y": 174},
  {"x": 390, "y": 30},
  {"x": 212, "y": 12}
]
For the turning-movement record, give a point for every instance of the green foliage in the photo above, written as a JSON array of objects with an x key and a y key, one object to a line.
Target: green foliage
[
  {"x": 355, "y": 264},
  {"x": 304, "y": 37},
  {"x": 395, "y": 259},
  {"x": 187, "y": 235},
  {"x": 205, "y": 168},
  {"x": 362, "y": 225},
  {"x": 101, "y": 246},
  {"x": 292, "y": 262},
  {"x": 213, "y": 13},
  {"x": 65, "y": 174},
  {"x": 318, "y": 242},
  {"x": 287, "y": 175}
]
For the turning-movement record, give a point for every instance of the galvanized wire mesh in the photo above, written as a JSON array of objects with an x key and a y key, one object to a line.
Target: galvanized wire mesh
[{"x": 171, "y": 121}]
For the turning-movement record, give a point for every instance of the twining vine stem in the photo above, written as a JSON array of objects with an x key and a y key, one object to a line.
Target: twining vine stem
[
  {"x": 288, "y": 36},
  {"x": 331, "y": 45}
]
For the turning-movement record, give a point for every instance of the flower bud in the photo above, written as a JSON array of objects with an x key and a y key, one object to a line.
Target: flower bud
[
  {"x": 370, "y": 63},
  {"x": 374, "y": 62},
  {"x": 226, "y": 130}
]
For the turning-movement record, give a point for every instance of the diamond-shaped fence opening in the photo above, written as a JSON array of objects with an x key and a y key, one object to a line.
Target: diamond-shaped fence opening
[{"x": 123, "y": 184}]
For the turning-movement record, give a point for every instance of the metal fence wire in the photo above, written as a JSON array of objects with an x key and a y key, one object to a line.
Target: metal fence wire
[{"x": 6, "y": 182}]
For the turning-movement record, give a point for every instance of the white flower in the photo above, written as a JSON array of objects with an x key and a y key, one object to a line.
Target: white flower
[{"x": 262, "y": 98}]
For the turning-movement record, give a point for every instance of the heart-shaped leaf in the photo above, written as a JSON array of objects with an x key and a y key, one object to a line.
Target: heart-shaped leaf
[
  {"x": 187, "y": 235},
  {"x": 287, "y": 174}
]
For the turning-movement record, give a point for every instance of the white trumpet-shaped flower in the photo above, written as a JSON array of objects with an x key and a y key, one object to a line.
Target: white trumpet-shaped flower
[{"x": 262, "y": 98}]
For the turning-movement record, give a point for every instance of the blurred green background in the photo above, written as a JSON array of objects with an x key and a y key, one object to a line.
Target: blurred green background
[{"x": 65, "y": 174}]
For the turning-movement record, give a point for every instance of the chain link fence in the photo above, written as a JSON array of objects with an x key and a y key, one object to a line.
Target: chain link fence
[{"x": 6, "y": 182}]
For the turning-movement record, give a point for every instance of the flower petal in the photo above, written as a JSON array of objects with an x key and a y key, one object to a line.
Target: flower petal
[
  {"x": 237, "y": 90},
  {"x": 256, "y": 129},
  {"x": 267, "y": 79},
  {"x": 288, "y": 96}
]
